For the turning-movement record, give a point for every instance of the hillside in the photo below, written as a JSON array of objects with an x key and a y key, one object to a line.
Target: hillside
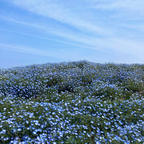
[{"x": 76, "y": 102}]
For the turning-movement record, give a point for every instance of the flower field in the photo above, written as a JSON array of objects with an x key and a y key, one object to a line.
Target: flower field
[{"x": 72, "y": 103}]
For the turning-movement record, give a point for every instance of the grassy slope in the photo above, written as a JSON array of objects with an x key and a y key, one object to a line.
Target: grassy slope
[{"x": 78, "y": 102}]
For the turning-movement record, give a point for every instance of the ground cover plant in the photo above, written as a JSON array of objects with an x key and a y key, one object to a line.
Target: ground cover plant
[{"x": 72, "y": 103}]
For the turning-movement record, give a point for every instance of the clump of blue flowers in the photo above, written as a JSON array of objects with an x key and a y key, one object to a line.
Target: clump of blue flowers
[{"x": 76, "y": 102}]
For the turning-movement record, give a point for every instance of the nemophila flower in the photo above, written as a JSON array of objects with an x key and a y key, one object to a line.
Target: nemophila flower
[
  {"x": 31, "y": 115},
  {"x": 3, "y": 131},
  {"x": 104, "y": 105}
]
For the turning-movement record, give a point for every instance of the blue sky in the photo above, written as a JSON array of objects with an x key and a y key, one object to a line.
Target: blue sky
[{"x": 41, "y": 31}]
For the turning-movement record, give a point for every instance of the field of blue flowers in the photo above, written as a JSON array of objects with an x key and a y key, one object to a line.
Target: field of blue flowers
[{"x": 72, "y": 103}]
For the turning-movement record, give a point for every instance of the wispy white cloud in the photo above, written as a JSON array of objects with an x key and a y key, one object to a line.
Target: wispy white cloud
[
  {"x": 84, "y": 14},
  {"x": 132, "y": 48},
  {"x": 63, "y": 13},
  {"x": 88, "y": 41},
  {"x": 44, "y": 37},
  {"x": 60, "y": 54},
  {"x": 37, "y": 52},
  {"x": 129, "y": 5},
  {"x": 94, "y": 31},
  {"x": 130, "y": 9},
  {"x": 24, "y": 49}
]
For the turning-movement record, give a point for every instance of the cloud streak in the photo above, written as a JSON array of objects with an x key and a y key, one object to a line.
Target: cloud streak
[
  {"x": 58, "y": 11},
  {"x": 128, "y": 5},
  {"x": 60, "y": 54},
  {"x": 100, "y": 25},
  {"x": 117, "y": 44},
  {"x": 36, "y": 52}
]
